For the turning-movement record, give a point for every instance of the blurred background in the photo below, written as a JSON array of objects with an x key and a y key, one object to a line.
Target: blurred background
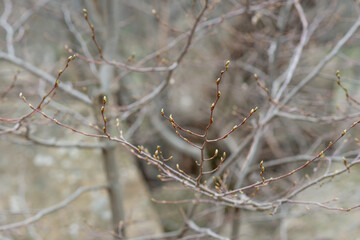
[{"x": 41, "y": 164}]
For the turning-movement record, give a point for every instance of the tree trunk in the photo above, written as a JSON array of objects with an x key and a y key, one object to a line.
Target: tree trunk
[{"x": 115, "y": 191}]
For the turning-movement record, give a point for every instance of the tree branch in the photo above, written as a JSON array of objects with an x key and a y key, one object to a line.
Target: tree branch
[{"x": 46, "y": 211}]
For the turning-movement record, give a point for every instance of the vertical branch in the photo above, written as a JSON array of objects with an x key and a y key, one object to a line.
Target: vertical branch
[
  {"x": 8, "y": 28},
  {"x": 211, "y": 121},
  {"x": 298, "y": 52},
  {"x": 275, "y": 46}
]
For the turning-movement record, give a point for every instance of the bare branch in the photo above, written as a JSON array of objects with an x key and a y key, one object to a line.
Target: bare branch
[
  {"x": 8, "y": 28},
  {"x": 323, "y": 62},
  {"x": 46, "y": 211},
  {"x": 44, "y": 75},
  {"x": 298, "y": 51},
  {"x": 206, "y": 231}
]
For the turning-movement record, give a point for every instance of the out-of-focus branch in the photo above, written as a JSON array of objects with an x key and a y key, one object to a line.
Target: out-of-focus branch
[
  {"x": 56, "y": 144},
  {"x": 9, "y": 130},
  {"x": 274, "y": 109},
  {"x": 42, "y": 213},
  {"x": 27, "y": 14},
  {"x": 251, "y": 156},
  {"x": 206, "y": 231},
  {"x": 322, "y": 205},
  {"x": 44, "y": 75},
  {"x": 160, "y": 236},
  {"x": 275, "y": 45},
  {"x": 323, "y": 62},
  {"x": 250, "y": 68},
  {"x": 128, "y": 67},
  {"x": 274, "y": 48},
  {"x": 324, "y": 119},
  {"x": 8, "y": 28},
  {"x": 298, "y": 51}
]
